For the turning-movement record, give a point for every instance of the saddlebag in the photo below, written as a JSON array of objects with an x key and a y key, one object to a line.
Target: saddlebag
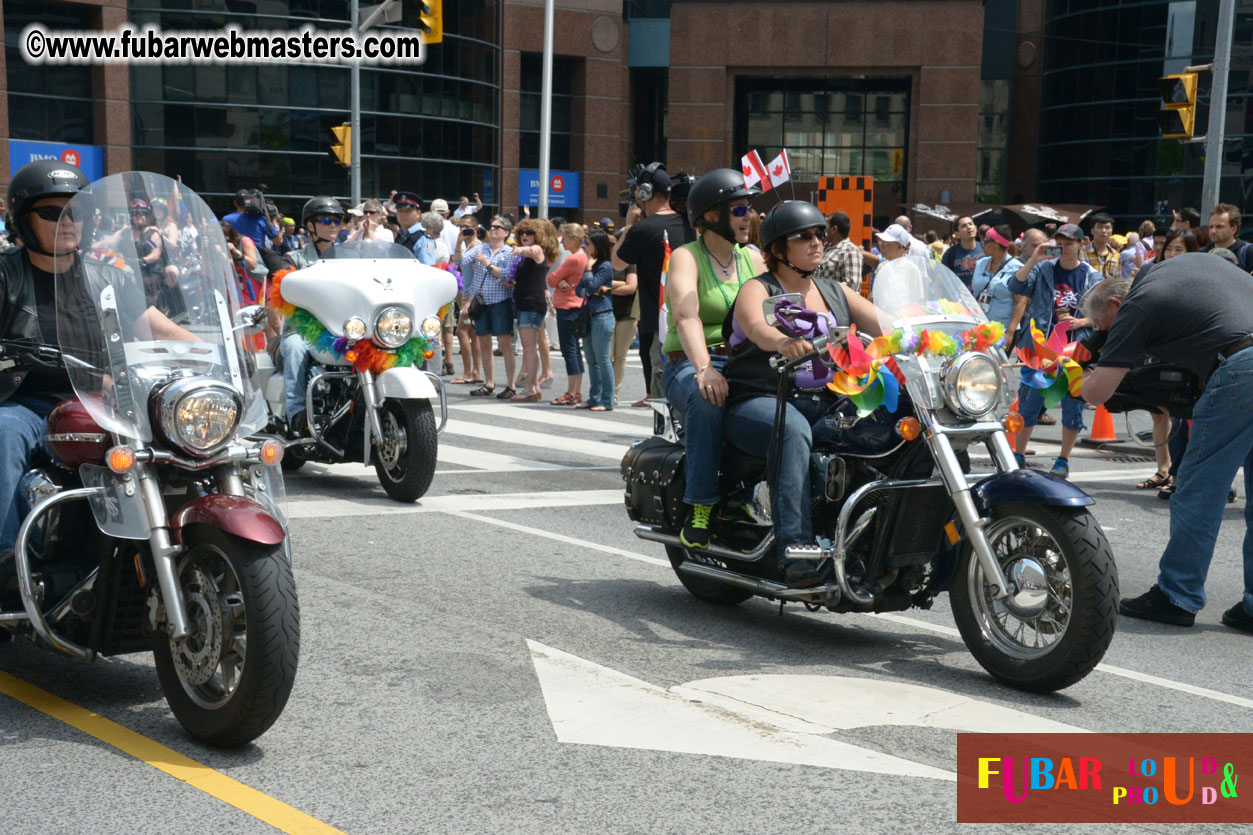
[{"x": 655, "y": 481}]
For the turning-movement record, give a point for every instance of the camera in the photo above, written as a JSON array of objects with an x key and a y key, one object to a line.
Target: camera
[{"x": 1053, "y": 251}]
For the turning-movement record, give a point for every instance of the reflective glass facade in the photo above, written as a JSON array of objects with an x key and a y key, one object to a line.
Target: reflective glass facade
[
  {"x": 1100, "y": 142},
  {"x": 431, "y": 129},
  {"x": 49, "y": 103}
]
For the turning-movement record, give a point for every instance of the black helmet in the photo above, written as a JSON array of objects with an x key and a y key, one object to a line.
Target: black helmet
[
  {"x": 34, "y": 181},
  {"x": 717, "y": 187},
  {"x": 321, "y": 205},
  {"x": 787, "y": 217}
]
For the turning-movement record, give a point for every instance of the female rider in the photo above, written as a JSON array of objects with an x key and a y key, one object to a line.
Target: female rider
[
  {"x": 791, "y": 237},
  {"x": 704, "y": 278}
]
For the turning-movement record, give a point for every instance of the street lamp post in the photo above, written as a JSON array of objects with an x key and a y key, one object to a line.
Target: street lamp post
[
  {"x": 1217, "y": 107},
  {"x": 354, "y": 11},
  {"x": 546, "y": 111}
]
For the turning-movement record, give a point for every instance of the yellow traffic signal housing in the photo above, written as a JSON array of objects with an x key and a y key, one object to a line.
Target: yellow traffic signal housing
[
  {"x": 342, "y": 149},
  {"x": 431, "y": 21},
  {"x": 1178, "y": 114}
]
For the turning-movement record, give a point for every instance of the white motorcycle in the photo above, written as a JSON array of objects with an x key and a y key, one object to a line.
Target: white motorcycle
[{"x": 372, "y": 316}]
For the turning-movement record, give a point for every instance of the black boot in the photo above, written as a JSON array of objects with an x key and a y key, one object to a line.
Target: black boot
[{"x": 1154, "y": 605}]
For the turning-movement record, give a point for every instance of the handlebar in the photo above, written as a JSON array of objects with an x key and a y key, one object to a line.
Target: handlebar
[{"x": 780, "y": 364}]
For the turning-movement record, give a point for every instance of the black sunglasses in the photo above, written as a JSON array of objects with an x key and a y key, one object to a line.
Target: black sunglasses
[
  {"x": 807, "y": 236},
  {"x": 53, "y": 213},
  {"x": 467, "y": 232},
  {"x": 501, "y": 228},
  {"x": 329, "y": 221}
]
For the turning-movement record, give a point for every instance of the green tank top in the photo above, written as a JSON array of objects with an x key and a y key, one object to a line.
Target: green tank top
[{"x": 716, "y": 297}]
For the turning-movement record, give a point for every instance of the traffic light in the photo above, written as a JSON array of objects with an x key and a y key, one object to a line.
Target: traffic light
[
  {"x": 431, "y": 21},
  {"x": 342, "y": 149},
  {"x": 1178, "y": 112}
]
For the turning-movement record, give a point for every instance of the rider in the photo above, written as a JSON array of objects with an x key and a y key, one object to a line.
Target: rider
[
  {"x": 323, "y": 217},
  {"x": 791, "y": 239},
  {"x": 705, "y": 277}
]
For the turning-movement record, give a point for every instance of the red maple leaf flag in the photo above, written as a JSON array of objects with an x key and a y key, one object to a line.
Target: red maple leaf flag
[
  {"x": 755, "y": 171},
  {"x": 780, "y": 169}
]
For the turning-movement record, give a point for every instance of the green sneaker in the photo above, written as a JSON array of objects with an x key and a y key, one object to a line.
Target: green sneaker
[{"x": 696, "y": 533}]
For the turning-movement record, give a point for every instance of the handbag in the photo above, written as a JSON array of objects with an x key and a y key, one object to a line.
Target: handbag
[
  {"x": 477, "y": 306},
  {"x": 582, "y": 324}
]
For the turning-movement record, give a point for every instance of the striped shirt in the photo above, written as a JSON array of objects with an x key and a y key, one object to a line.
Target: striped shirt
[{"x": 484, "y": 281}]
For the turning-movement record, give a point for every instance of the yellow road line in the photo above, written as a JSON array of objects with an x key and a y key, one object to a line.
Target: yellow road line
[{"x": 245, "y": 798}]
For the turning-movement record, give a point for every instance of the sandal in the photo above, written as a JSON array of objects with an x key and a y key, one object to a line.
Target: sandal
[
  {"x": 483, "y": 391},
  {"x": 526, "y": 398},
  {"x": 564, "y": 400},
  {"x": 508, "y": 393},
  {"x": 600, "y": 409},
  {"x": 448, "y": 369},
  {"x": 584, "y": 406},
  {"x": 462, "y": 381},
  {"x": 1154, "y": 482}
]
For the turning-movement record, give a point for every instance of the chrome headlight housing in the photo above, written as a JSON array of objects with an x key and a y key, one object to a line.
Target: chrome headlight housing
[
  {"x": 198, "y": 415},
  {"x": 972, "y": 384},
  {"x": 431, "y": 327},
  {"x": 393, "y": 327},
  {"x": 354, "y": 328}
]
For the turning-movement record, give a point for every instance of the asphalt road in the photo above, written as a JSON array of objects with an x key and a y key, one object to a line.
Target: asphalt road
[{"x": 505, "y": 656}]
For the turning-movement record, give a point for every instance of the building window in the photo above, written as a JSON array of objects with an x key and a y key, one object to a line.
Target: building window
[
  {"x": 993, "y": 141},
  {"x": 830, "y": 127},
  {"x": 49, "y": 102},
  {"x": 531, "y": 82}
]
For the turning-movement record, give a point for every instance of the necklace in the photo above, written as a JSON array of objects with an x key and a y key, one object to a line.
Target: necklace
[{"x": 727, "y": 270}]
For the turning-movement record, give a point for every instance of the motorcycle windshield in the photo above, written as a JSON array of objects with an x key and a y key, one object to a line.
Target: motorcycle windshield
[
  {"x": 155, "y": 299},
  {"x": 368, "y": 249},
  {"x": 921, "y": 293}
]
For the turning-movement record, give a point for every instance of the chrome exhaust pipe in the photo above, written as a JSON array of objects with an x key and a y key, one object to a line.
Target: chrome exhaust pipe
[
  {"x": 652, "y": 533},
  {"x": 765, "y": 588}
]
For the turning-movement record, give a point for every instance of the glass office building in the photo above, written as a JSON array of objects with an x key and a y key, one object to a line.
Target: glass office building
[{"x": 432, "y": 129}]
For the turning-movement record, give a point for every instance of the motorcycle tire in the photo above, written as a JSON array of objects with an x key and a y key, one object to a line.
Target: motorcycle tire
[
  {"x": 709, "y": 591},
  {"x": 406, "y": 470},
  {"x": 1070, "y": 625},
  {"x": 222, "y": 696},
  {"x": 292, "y": 461}
]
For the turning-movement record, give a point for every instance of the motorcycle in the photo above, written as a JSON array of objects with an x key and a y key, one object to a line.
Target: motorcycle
[
  {"x": 155, "y": 525},
  {"x": 899, "y": 516},
  {"x": 372, "y": 315}
]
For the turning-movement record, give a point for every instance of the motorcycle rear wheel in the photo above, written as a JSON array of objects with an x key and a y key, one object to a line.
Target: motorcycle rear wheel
[
  {"x": 229, "y": 680},
  {"x": 404, "y": 459},
  {"x": 710, "y": 591},
  {"x": 1055, "y": 640}
]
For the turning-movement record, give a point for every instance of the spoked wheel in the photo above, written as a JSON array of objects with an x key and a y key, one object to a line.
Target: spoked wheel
[
  {"x": 710, "y": 591},
  {"x": 230, "y": 679},
  {"x": 404, "y": 458},
  {"x": 1059, "y": 618}
]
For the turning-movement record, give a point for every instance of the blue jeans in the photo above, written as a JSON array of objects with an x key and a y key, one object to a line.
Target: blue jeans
[
  {"x": 1031, "y": 406},
  {"x": 1221, "y": 442},
  {"x": 702, "y": 427},
  {"x": 750, "y": 427},
  {"x": 296, "y": 358},
  {"x": 569, "y": 342},
  {"x": 22, "y": 434},
  {"x": 530, "y": 319},
  {"x": 598, "y": 345}
]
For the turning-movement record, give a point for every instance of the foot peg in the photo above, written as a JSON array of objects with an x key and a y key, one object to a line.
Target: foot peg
[{"x": 805, "y": 552}]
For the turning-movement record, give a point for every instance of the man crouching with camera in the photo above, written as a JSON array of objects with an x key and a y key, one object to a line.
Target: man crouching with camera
[{"x": 1196, "y": 313}]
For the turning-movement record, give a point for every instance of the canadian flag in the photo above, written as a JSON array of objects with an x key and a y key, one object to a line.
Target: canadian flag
[
  {"x": 780, "y": 170},
  {"x": 755, "y": 171}
]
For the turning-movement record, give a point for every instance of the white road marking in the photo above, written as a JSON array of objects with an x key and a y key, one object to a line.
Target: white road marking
[
  {"x": 480, "y": 460},
  {"x": 374, "y": 506},
  {"x": 556, "y": 537},
  {"x": 522, "y": 437},
  {"x": 589, "y": 704},
  {"x": 553, "y": 416}
]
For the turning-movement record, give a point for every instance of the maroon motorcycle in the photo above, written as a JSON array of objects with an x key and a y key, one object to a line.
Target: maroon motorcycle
[{"x": 156, "y": 524}]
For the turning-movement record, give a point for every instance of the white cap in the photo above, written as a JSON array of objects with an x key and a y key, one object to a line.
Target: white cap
[
  {"x": 439, "y": 205},
  {"x": 895, "y": 233}
]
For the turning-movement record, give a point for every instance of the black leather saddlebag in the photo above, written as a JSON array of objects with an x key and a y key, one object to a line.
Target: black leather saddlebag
[{"x": 653, "y": 472}]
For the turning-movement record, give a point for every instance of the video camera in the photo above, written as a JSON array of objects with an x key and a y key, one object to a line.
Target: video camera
[
  {"x": 252, "y": 202},
  {"x": 1149, "y": 386},
  {"x": 680, "y": 185}
]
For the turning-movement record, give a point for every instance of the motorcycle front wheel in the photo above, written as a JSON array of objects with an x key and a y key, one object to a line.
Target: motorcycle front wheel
[
  {"x": 229, "y": 680},
  {"x": 1059, "y": 619},
  {"x": 404, "y": 458}
]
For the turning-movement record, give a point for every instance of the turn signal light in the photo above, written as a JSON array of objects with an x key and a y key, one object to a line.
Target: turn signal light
[
  {"x": 1013, "y": 423},
  {"x": 121, "y": 459},
  {"x": 908, "y": 428},
  {"x": 271, "y": 453}
]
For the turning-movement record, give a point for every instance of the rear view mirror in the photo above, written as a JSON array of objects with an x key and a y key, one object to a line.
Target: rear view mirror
[{"x": 771, "y": 304}]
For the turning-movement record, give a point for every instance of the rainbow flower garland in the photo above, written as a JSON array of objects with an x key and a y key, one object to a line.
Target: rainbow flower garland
[{"x": 364, "y": 354}]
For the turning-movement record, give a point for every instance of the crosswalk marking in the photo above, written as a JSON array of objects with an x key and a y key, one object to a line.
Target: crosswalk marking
[
  {"x": 522, "y": 437},
  {"x": 379, "y": 506},
  {"x": 551, "y": 416}
]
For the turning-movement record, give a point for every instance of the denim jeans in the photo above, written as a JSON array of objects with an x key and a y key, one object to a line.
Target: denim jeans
[
  {"x": 22, "y": 433},
  {"x": 295, "y": 353},
  {"x": 597, "y": 345},
  {"x": 569, "y": 343},
  {"x": 1031, "y": 407},
  {"x": 702, "y": 428},
  {"x": 1221, "y": 441},
  {"x": 750, "y": 426}
]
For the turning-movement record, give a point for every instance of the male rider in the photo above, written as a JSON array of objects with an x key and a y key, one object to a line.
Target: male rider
[{"x": 322, "y": 218}]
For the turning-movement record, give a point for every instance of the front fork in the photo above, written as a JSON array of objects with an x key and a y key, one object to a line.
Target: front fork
[{"x": 955, "y": 480}]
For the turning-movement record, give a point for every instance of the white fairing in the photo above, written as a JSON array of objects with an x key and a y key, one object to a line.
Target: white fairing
[{"x": 404, "y": 384}]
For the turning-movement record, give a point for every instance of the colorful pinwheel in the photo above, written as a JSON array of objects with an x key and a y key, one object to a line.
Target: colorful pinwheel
[
  {"x": 862, "y": 375},
  {"x": 1049, "y": 366}
]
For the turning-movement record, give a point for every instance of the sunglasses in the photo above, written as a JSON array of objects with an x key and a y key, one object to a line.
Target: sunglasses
[
  {"x": 498, "y": 228},
  {"x": 53, "y": 213},
  {"x": 467, "y": 232},
  {"x": 329, "y": 221},
  {"x": 370, "y": 212},
  {"x": 739, "y": 211},
  {"x": 807, "y": 236}
]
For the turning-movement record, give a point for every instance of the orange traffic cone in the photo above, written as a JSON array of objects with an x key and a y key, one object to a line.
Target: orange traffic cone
[{"x": 1103, "y": 427}]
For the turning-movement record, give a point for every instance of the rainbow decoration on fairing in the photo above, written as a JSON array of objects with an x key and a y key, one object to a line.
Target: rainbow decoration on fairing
[
  {"x": 364, "y": 354},
  {"x": 1051, "y": 367}
]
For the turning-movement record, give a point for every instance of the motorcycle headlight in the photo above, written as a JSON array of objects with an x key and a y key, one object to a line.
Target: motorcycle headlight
[
  {"x": 972, "y": 384},
  {"x": 431, "y": 326},
  {"x": 198, "y": 415},
  {"x": 393, "y": 326},
  {"x": 354, "y": 328}
]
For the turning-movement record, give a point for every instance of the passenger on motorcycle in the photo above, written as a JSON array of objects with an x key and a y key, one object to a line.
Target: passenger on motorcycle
[
  {"x": 322, "y": 217},
  {"x": 705, "y": 277},
  {"x": 791, "y": 239}
]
